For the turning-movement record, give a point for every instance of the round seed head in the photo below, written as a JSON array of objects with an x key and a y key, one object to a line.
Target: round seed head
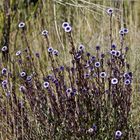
[
  {"x": 81, "y": 47},
  {"x": 110, "y": 11},
  {"x": 21, "y": 25},
  {"x": 50, "y": 49},
  {"x": 4, "y": 71},
  {"x": 127, "y": 82},
  {"x": 97, "y": 48},
  {"x": 18, "y": 53},
  {"x": 55, "y": 52},
  {"x": 69, "y": 90},
  {"x": 121, "y": 32},
  {"x": 97, "y": 64},
  {"x": 113, "y": 52},
  {"x": 125, "y": 30},
  {"x": 118, "y": 134},
  {"x": 22, "y": 74},
  {"x": 114, "y": 81},
  {"x": 103, "y": 74},
  {"x": 4, "y": 48},
  {"x": 22, "y": 88},
  {"x": 113, "y": 46}
]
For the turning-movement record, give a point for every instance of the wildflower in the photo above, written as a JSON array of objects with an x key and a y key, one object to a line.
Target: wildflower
[
  {"x": 113, "y": 46},
  {"x": 94, "y": 127},
  {"x": 50, "y": 49},
  {"x": 88, "y": 54},
  {"x": 121, "y": 32},
  {"x": 97, "y": 64},
  {"x": 46, "y": 84},
  {"x": 87, "y": 75},
  {"x": 4, "y": 48},
  {"x": 102, "y": 55},
  {"x": 44, "y": 32},
  {"x": 21, "y": 25},
  {"x": 93, "y": 58},
  {"x": 127, "y": 82},
  {"x": 114, "y": 81},
  {"x": 68, "y": 29},
  {"x": 97, "y": 48},
  {"x": 118, "y": 134},
  {"x": 69, "y": 90},
  {"x": 110, "y": 11},
  {"x": 22, "y": 74},
  {"x": 4, "y": 71},
  {"x": 55, "y": 52},
  {"x": 125, "y": 30},
  {"x": 113, "y": 52},
  {"x": 81, "y": 47},
  {"x": 90, "y": 130},
  {"x": 37, "y": 55},
  {"x": 18, "y": 53},
  {"x": 22, "y": 88},
  {"x": 4, "y": 82},
  {"x": 65, "y": 24},
  {"x": 118, "y": 53},
  {"x": 103, "y": 74},
  {"x": 28, "y": 78},
  {"x": 62, "y": 68}
]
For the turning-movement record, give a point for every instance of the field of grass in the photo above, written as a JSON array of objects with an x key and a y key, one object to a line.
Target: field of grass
[{"x": 22, "y": 114}]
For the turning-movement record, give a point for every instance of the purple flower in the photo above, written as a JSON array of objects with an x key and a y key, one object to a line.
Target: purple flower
[
  {"x": 55, "y": 52},
  {"x": 46, "y": 84},
  {"x": 114, "y": 81},
  {"x": 118, "y": 134},
  {"x": 127, "y": 82},
  {"x": 97, "y": 64},
  {"x": 65, "y": 24},
  {"x": 23, "y": 74},
  {"x": 29, "y": 78},
  {"x": 113, "y": 46},
  {"x": 50, "y": 49},
  {"x": 103, "y": 74},
  {"x": 4, "y": 48},
  {"x": 121, "y": 32},
  {"x": 113, "y": 52},
  {"x": 81, "y": 47},
  {"x": 4, "y": 71},
  {"x": 22, "y": 88},
  {"x": 21, "y": 25},
  {"x": 97, "y": 48},
  {"x": 18, "y": 53},
  {"x": 125, "y": 30},
  {"x": 37, "y": 55},
  {"x": 68, "y": 29},
  {"x": 110, "y": 11},
  {"x": 44, "y": 32},
  {"x": 62, "y": 68}
]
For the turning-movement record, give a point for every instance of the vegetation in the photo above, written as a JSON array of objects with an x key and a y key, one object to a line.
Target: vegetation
[{"x": 69, "y": 70}]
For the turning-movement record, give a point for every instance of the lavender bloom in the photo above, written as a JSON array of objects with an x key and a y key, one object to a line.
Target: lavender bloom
[
  {"x": 21, "y": 25},
  {"x": 50, "y": 49},
  {"x": 44, "y": 32},
  {"x": 65, "y": 24},
  {"x": 68, "y": 92},
  {"x": 68, "y": 29},
  {"x": 4, "y": 71},
  {"x": 114, "y": 81},
  {"x": 37, "y": 55},
  {"x": 4, "y": 48},
  {"x": 127, "y": 82},
  {"x": 87, "y": 75},
  {"x": 81, "y": 47},
  {"x": 88, "y": 54},
  {"x": 29, "y": 78},
  {"x": 46, "y": 84},
  {"x": 113, "y": 52},
  {"x": 118, "y": 134},
  {"x": 62, "y": 68}
]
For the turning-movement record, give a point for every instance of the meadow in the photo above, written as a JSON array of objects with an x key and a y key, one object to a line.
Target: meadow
[{"x": 69, "y": 70}]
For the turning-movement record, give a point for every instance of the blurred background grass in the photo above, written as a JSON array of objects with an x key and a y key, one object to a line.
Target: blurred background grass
[{"x": 90, "y": 26}]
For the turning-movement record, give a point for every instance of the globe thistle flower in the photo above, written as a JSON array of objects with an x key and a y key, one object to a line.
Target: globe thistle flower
[
  {"x": 62, "y": 68},
  {"x": 69, "y": 90},
  {"x": 125, "y": 30},
  {"x": 97, "y": 48},
  {"x": 46, "y": 84},
  {"x": 113, "y": 52},
  {"x": 18, "y": 53},
  {"x": 55, "y": 52},
  {"x": 118, "y": 53},
  {"x": 102, "y": 55},
  {"x": 50, "y": 49},
  {"x": 86, "y": 75},
  {"x": 4, "y": 82},
  {"x": 103, "y": 74},
  {"x": 121, "y": 32},
  {"x": 93, "y": 58},
  {"x": 23, "y": 74},
  {"x": 65, "y": 24},
  {"x": 90, "y": 130},
  {"x": 37, "y": 55},
  {"x": 68, "y": 29},
  {"x": 127, "y": 82},
  {"x": 97, "y": 64},
  {"x": 29, "y": 78},
  {"x": 114, "y": 81},
  {"x": 81, "y": 47},
  {"x": 113, "y": 46},
  {"x": 44, "y": 32},
  {"x": 4, "y": 71},
  {"x": 88, "y": 54},
  {"x": 118, "y": 134},
  {"x": 110, "y": 11},
  {"x": 4, "y": 48},
  {"x": 22, "y": 89},
  {"x": 94, "y": 127},
  {"x": 21, "y": 25}
]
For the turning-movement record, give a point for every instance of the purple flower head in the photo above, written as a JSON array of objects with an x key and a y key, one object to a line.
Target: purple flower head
[
  {"x": 4, "y": 48},
  {"x": 81, "y": 47},
  {"x": 37, "y": 55},
  {"x": 23, "y": 74},
  {"x": 125, "y": 30},
  {"x": 62, "y": 68},
  {"x": 118, "y": 53},
  {"x": 88, "y": 54},
  {"x": 127, "y": 82},
  {"x": 97, "y": 64},
  {"x": 121, "y": 32},
  {"x": 18, "y": 53},
  {"x": 113, "y": 52},
  {"x": 55, "y": 52},
  {"x": 29, "y": 78},
  {"x": 103, "y": 74},
  {"x": 21, "y": 25},
  {"x": 110, "y": 11},
  {"x": 50, "y": 49},
  {"x": 118, "y": 134},
  {"x": 22, "y": 89},
  {"x": 114, "y": 81},
  {"x": 97, "y": 48},
  {"x": 68, "y": 29},
  {"x": 113, "y": 46},
  {"x": 86, "y": 75},
  {"x": 93, "y": 58},
  {"x": 102, "y": 55},
  {"x": 65, "y": 24},
  {"x": 45, "y": 33},
  {"x": 94, "y": 127},
  {"x": 46, "y": 84},
  {"x": 69, "y": 90},
  {"x": 4, "y": 71}
]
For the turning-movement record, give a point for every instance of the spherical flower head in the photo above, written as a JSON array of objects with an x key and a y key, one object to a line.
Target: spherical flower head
[
  {"x": 62, "y": 68},
  {"x": 127, "y": 82},
  {"x": 37, "y": 55},
  {"x": 23, "y": 74},
  {"x": 86, "y": 75},
  {"x": 29, "y": 78},
  {"x": 4, "y": 71},
  {"x": 22, "y": 89},
  {"x": 113, "y": 46},
  {"x": 90, "y": 130},
  {"x": 44, "y": 32},
  {"x": 94, "y": 127},
  {"x": 97, "y": 48},
  {"x": 102, "y": 55},
  {"x": 88, "y": 54},
  {"x": 125, "y": 30},
  {"x": 97, "y": 64},
  {"x": 46, "y": 84},
  {"x": 103, "y": 74},
  {"x": 55, "y": 52},
  {"x": 118, "y": 53},
  {"x": 118, "y": 134},
  {"x": 18, "y": 53},
  {"x": 50, "y": 49},
  {"x": 81, "y": 47},
  {"x": 21, "y": 25},
  {"x": 114, "y": 81},
  {"x": 113, "y": 52},
  {"x": 65, "y": 24},
  {"x": 69, "y": 90},
  {"x": 110, "y": 11},
  {"x": 68, "y": 29},
  {"x": 4, "y": 82},
  {"x": 121, "y": 32},
  {"x": 4, "y": 48}
]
